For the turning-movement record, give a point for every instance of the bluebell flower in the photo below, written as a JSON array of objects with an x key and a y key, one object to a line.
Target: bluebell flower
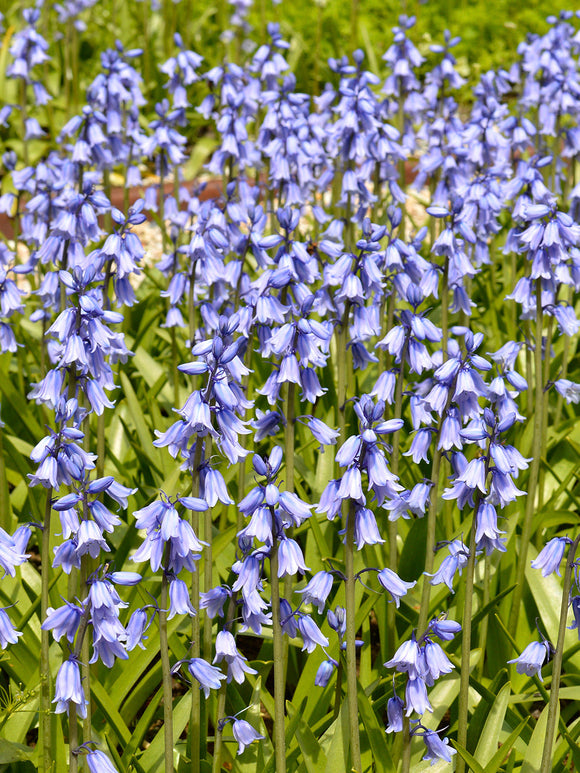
[
  {"x": 436, "y": 661},
  {"x": 179, "y": 601},
  {"x": 226, "y": 649},
  {"x": 98, "y": 762},
  {"x": 325, "y": 671},
  {"x": 213, "y": 600},
  {"x": 550, "y": 557},
  {"x": 135, "y": 630},
  {"x": 8, "y": 634},
  {"x": 317, "y": 590},
  {"x": 337, "y": 620},
  {"x": 444, "y": 628},
  {"x": 395, "y": 706},
  {"x": 569, "y": 390},
  {"x": 311, "y": 634},
  {"x": 454, "y": 562},
  {"x": 392, "y": 583},
  {"x": 437, "y": 748},
  {"x": 407, "y": 658},
  {"x": 531, "y": 660},
  {"x": 209, "y": 677},
  {"x": 244, "y": 734},
  {"x": 416, "y": 696},
  {"x": 68, "y": 688},
  {"x": 575, "y": 604},
  {"x": 63, "y": 621}
]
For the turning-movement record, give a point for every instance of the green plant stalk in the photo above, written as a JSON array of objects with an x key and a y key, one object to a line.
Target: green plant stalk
[
  {"x": 24, "y": 116},
  {"x": 534, "y": 468},
  {"x": 72, "y": 714},
  {"x": 341, "y": 366},
  {"x": 565, "y": 361},
  {"x": 529, "y": 371},
  {"x": 350, "y": 638},
  {"x": 318, "y": 39},
  {"x": 546, "y": 765},
  {"x": 353, "y": 24},
  {"x": 278, "y": 646},
  {"x": 5, "y": 512},
  {"x": 167, "y": 679},
  {"x": 392, "y": 525},
  {"x": 406, "y": 755},
  {"x": 545, "y": 379},
  {"x": 85, "y": 656},
  {"x": 195, "y": 715},
  {"x": 338, "y": 689},
  {"x": 401, "y": 165},
  {"x": 207, "y": 567},
  {"x": 445, "y": 308},
  {"x": 73, "y": 739},
  {"x": 484, "y": 625},
  {"x": 221, "y": 701},
  {"x": 45, "y": 721},
  {"x": 430, "y": 539},
  {"x": 219, "y": 733},
  {"x": 289, "y": 446},
  {"x": 463, "y": 714}
]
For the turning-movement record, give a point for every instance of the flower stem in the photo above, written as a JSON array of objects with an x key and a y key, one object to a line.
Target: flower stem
[
  {"x": 167, "y": 679},
  {"x": 546, "y": 766},
  {"x": 195, "y": 716},
  {"x": 392, "y": 525},
  {"x": 534, "y": 467},
  {"x": 430, "y": 543},
  {"x": 45, "y": 676},
  {"x": 351, "y": 680},
  {"x": 278, "y": 644},
  {"x": 466, "y": 642}
]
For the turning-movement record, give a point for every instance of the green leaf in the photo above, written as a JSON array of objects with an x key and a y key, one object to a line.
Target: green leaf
[
  {"x": 375, "y": 734},
  {"x": 140, "y": 730},
  {"x": 471, "y": 761},
  {"x": 14, "y": 752},
  {"x": 312, "y": 752},
  {"x": 338, "y": 737},
  {"x": 114, "y": 720},
  {"x": 533, "y": 759},
  {"x": 500, "y": 755},
  {"x": 489, "y": 737}
]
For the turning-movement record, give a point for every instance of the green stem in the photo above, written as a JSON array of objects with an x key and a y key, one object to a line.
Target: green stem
[
  {"x": 195, "y": 716},
  {"x": 219, "y": 734},
  {"x": 341, "y": 366},
  {"x": 466, "y": 644},
  {"x": 351, "y": 680},
  {"x": 289, "y": 445},
  {"x": 85, "y": 657},
  {"x": 167, "y": 678},
  {"x": 45, "y": 676},
  {"x": 483, "y": 627},
  {"x": 221, "y": 701},
  {"x": 73, "y": 739},
  {"x": 5, "y": 511},
  {"x": 565, "y": 360},
  {"x": 278, "y": 644},
  {"x": 338, "y": 690},
  {"x": 445, "y": 308},
  {"x": 544, "y": 435},
  {"x": 430, "y": 543},
  {"x": 534, "y": 467},
  {"x": 392, "y": 524},
  {"x": 546, "y": 766},
  {"x": 207, "y": 567},
  {"x": 72, "y": 714}
]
